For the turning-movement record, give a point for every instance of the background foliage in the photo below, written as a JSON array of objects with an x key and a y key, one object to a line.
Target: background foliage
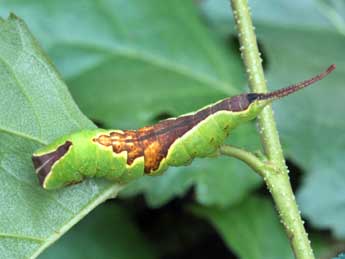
[{"x": 132, "y": 63}]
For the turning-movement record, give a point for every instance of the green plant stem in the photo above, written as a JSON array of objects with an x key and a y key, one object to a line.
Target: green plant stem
[
  {"x": 249, "y": 158},
  {"x": 278, "y": 181}
]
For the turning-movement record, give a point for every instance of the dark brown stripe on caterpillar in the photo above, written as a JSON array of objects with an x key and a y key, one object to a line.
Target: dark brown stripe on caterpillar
[{"x": 153, "y": 142}]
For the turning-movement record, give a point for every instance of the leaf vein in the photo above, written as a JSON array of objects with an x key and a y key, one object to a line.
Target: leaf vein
[{"x": 15, "y": 236}]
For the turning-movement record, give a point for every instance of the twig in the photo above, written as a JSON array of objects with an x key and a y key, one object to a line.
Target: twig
[{"x": 277, "y": 181}]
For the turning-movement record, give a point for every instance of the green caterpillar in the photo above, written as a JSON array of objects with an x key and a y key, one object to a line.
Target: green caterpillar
[{"x": 124, "y": 155}]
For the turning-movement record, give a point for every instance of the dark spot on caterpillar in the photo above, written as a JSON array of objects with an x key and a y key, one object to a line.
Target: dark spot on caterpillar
[{"x": 44, "y": 163}]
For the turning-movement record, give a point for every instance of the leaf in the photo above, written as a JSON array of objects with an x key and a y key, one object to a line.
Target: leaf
[
  {"x": 251, "y": 229},
  {"x": 324, "y": 246},
  {"x": 310, "y": 123},
  {"x": 323, "y": 198},
  {"x": 128, "y": 63},
  {"x": 314, "y": 135},
  {"x": 107, "y": 232},
  {"x": 305, "y": 14},
  {"x": 35, "y": 108}
]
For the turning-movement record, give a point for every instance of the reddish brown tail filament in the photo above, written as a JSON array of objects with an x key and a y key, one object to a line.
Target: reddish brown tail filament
[{"x": 293, "y": 88}]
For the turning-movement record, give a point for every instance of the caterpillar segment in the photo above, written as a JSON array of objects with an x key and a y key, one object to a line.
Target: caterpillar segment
[{"x": 124, "y": 155}]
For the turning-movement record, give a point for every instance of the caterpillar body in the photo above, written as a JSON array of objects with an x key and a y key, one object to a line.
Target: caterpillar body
[{"x": 124, "y": 155}]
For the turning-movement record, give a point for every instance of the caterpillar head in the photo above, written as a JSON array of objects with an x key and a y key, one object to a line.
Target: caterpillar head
[
  {"x": 59, "y": 163},
  {"x": 46, "y": 159}
]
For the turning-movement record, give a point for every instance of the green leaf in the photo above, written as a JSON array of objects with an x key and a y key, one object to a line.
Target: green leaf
[
  {"x": 310, "y": 123},
  {"x": 313, "y": 136},
  {"x": 128, "y": 63},
  {"x": 35, "y": 108},
  {"x": 107, "y": 232},
  {"x": 324, "y": 246},
  {"x": 283, "y": 13},
  {"x": 323, "y": 198},
  {"x": 251, "y": 229}
]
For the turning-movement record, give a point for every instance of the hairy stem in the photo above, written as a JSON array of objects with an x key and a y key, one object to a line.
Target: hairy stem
[{"x": 278, "y": 180}]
